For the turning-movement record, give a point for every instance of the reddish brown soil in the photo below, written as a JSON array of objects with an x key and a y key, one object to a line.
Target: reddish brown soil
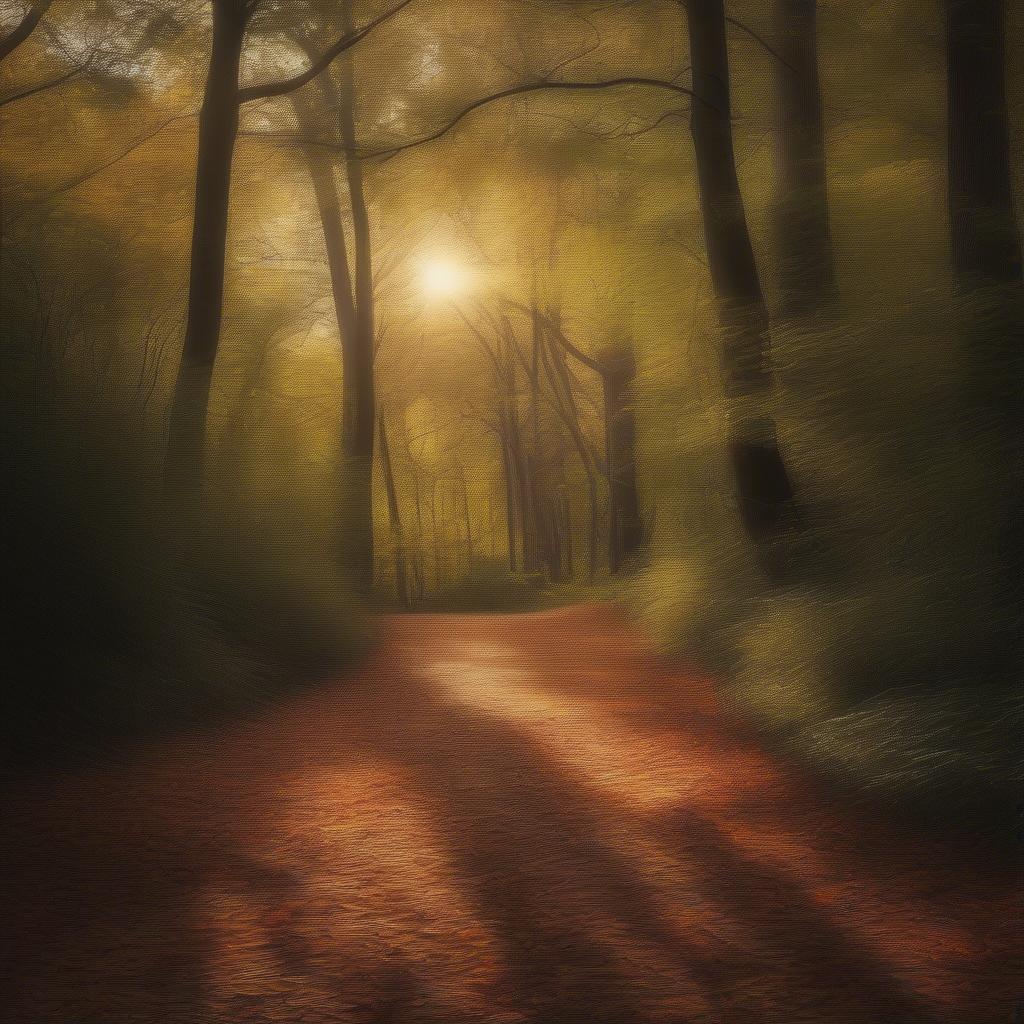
[{"x": 520, "y": 818}]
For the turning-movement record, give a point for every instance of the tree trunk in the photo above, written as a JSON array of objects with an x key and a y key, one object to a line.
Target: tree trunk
[
  {"x": 232, "y": 445},
  {"x": 218, "y": 131},
  {"x": 764, "y": 490},
  {"x": 984, "y": 234},
  {"x": 421, "y": 540},
  {"x": 508, "y": 469},
  {"x": 527, "y": 514},
  {"x": 561, "y": 388},
  {"x": 540, "y": 500},
  {"x": 361, "y": 452},
  {"x": 803, "y": 240},
  {"x": 467, "y": 518},
  {"x": 524, "y": 494},
  {"x": 566, "y": 526},
  {"x": 435, "y": 538},
  {"x": 357, "y": 401},
  {"x": 625, "y": 527},
  {"x": 359, "y": 397},
  {"x": 394, "y": 516}
]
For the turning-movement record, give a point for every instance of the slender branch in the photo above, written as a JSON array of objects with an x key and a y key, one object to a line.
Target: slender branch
[
  {"x": 528, "y": 87},
  {"x": 287, "y": 85},
  {"x": 559, "y": 335},
  {"x": 43, "y": 86},
  {"x": 482, "y": 342},
  {"x": 760, "y": 39},
  {"x": 24, "y": 28},
  {"x": 622, "y": 132}
]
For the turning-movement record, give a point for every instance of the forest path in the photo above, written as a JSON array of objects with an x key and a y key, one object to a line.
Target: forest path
[{"x": 503, "y": 818}]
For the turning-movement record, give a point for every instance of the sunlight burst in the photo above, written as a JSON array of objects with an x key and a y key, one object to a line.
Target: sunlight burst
[{"x": 442, "y": 279}]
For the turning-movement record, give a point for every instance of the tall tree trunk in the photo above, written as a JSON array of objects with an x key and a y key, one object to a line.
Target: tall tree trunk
[
  {"x": 421, "y": 540},
  {"x": 984, "y": 234},
  {"x": 764, "y": 488},
  {"x": 616, "y": 370},
  {"x": 357, "y": 402},
  {"x": 394, "y": 516},
  {"x": 365, "y": 397},
  {"x": 625, "y": 527},
  {"x": 508, "y": 470},
  {"x": 232, "y": 444},
  {"x": 561, "y": 388},
  {"x": 467, "y": 517},
  {"x": 218, "y": 131},
  {"x": 359, "y": 394},
  {"x": 566, "y": 527},
  {"x": 492, "y": 527},
  {"x": 530, "y": 557},
  {"x": 434, "y": 536},
  {"x": 539, "y": 503},
  {"x": 803, "y": 240}
]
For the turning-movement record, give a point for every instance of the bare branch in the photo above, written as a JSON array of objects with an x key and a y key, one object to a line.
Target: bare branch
[
  {"x": 43, "y": 86},
  {"x": 287, "y": 85},
  {"x": 759, "y": 39},
  {"x": 559, "y": 335},
  {"x": 523, "y": 89}
]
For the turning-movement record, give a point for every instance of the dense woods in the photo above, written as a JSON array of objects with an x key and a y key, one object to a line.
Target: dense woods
[{"x": 312, "y": 308}]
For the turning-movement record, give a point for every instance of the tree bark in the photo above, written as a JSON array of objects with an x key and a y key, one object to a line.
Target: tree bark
[
  {"x": 358, "y": 398},
  {"x": 765, "y": 494},
  {"x": 353, "y": 285},
  {"x": 360, "y": 428},
  {"x": 561, "y": 388},
  {"x": 800, "y": 217},
  {"x": 394, "y": 516},
  {"x": 625, "y": 527},
  {"x": 538, "y": 495},
  {"x": 616, "y": 370},
  {"x": 435, "y": 537},
  {"x": 421, "y": 539},
  {"x": 985, "y": 237},
  {"x": 218, "y": 131},
  {"x": 530, "y": 558},
  {"x": 467, "y": 517},
  {"x": 508, "y": 471}
]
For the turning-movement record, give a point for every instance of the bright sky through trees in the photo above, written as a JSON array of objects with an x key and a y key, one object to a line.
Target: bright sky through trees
[{"x": 442, "y": 278}]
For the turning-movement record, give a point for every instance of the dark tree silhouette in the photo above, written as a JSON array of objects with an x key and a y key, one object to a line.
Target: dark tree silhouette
[
  {"x": 984, "y": 234},
  {"x": 625, "y": 526},
  {"x": 351, "y": 268},
  {"x": 764, "y": 489},
  {"x": 803, "y": 241},
  {"x": 30, "y": 20},
  {"x": 218, "y": 132}
]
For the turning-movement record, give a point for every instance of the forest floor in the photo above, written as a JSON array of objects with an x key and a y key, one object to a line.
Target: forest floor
[{"x": 501, "y": 818}]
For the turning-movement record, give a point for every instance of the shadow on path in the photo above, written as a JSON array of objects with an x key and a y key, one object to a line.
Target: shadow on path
[
  {"x": 535, "y": 849},
  {"x": 440, "y": 842}
]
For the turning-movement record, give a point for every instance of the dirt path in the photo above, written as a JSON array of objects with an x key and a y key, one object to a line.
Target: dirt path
[{"x": 519, "y": 818}]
